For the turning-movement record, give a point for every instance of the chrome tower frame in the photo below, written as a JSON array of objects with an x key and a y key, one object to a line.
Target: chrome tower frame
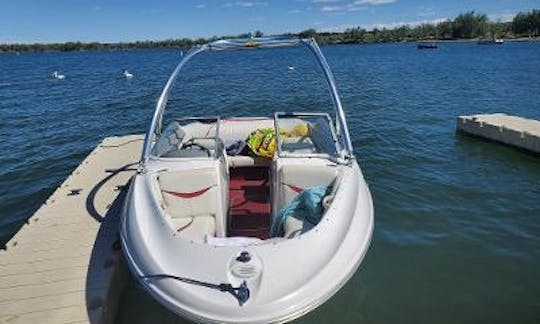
[{"x": 232, "y": 44}]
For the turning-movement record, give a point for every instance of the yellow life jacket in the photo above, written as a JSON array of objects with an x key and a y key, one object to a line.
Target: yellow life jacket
[{"x": 262, "y": 141}]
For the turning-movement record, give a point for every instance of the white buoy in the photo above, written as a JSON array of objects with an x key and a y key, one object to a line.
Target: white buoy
[
  {"x": 58, "y": 76},
  {"x": 127, "y": 75}
]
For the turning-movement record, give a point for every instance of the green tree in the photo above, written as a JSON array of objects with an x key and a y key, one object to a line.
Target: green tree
[
  {"x": 469, "y": 25},
  {"x": 527, "y": 23},
  {"x": 353, "y": 35},
  {"x": 308, "y": 33},
  {"x": 444, "y": 29}
]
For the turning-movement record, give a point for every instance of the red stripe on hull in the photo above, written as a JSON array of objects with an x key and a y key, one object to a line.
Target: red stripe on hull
[{"x": 294, "y": 188}]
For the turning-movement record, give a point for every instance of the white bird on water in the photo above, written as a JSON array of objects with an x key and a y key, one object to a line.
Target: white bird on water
[
  {"x": 127, "y": 75},
  {"x": 291, "y": 68},
  {"x": 58, "y": 76}
]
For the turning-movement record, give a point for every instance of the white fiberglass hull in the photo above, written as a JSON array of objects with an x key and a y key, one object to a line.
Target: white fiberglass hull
[
  {"x": 287, "y": 279},
  {"x": 191, "y": 222}
]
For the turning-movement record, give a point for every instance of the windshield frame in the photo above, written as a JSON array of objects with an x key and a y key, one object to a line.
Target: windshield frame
[{"x": 342, "y": 131}]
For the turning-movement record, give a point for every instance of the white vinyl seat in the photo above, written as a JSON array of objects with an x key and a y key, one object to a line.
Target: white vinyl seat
[
  {"x": 242, "y": 128},
  {"x": 190, "y": 199},
  {"x": 296, "y": 177},
  {"x": 239, "y": 161},
  {"x": 298, "y": 145}
]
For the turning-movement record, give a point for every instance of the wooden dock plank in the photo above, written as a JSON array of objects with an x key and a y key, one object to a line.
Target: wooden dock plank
[
  {"x": 64, "y": 265},
  {"x": 69, "y": 314},
  {"x": 48, "y": 276}
]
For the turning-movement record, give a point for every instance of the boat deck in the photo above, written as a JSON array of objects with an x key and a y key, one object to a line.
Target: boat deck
[
  {"x": 249, "y": 193},
  {"x": 64, "y": 265},
  {"x": 511, "y": 130}
]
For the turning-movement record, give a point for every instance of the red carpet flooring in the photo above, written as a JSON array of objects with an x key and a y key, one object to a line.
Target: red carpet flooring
[{"x": 250, "y": 202}]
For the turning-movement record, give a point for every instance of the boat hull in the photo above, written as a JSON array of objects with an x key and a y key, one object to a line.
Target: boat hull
[{"x": 294, "y": 276}]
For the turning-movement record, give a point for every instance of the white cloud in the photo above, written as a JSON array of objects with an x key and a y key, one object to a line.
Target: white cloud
[
  {"x": 200, "y": 6},
  {"x": 351, "y": 6},
  {"x": 325, "y": 1},
  {"x": 333, "y": 8},
  {"x": 341, "y": 28},
  {"x": 246, "y": 4},
  {"x": 356, "y": 8},
  {"x": 257, "y": 19},
  {"x": 373, "y": 2},
  {"x": 409, "y": 23},
  {"x": 341, "y": 9},
  {"x": 503, "y": 17},
  {"x": 425, "y": 11},
  {"x": 337, "y": 28}
]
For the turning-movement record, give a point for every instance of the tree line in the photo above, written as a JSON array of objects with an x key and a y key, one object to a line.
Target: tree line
[{"x": 468, "y": 25}]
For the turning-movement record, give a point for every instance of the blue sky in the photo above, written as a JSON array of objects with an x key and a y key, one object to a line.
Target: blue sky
[{"x": 127, "y": 20}]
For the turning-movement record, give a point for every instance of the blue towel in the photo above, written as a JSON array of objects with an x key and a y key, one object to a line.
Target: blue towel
[{"x": 306, "y": 206}]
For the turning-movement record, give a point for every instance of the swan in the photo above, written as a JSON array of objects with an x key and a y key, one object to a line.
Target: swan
[
  {"x": 58, "y": 76},
  {"x": 127, "y": 75}
]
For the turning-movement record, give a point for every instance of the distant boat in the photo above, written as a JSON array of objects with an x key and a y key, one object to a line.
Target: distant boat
[
  {"x": 127, "y": 75},
  {"x": 58, "y": 76},
  {"x": 427, "y": 45},
  {"x": 493, "y": 41}
]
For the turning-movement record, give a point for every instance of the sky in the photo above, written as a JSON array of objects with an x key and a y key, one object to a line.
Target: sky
[{"x": 28, "y": 21}]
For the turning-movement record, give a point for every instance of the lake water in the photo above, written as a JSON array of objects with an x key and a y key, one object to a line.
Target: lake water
[{"x": 457, "y": 219}]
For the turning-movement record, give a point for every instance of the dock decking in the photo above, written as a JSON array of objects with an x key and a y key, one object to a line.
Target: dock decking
[
  {"x": 516, "y": 131},
  {"x": 64, "y": 265}
]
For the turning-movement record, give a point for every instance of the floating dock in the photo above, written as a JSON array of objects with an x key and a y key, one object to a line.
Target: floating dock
[
  {"x": 511, "y": 130},
  {"x": 65, "y": 264}
]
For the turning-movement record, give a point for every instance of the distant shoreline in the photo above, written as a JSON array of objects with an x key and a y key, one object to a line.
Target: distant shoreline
[
  {"x": 89, "y": 47},
  {"x": 517, "y": 39}
]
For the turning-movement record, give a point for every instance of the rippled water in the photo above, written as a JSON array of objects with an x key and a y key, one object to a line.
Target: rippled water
[{"x": 457, "y": 236}]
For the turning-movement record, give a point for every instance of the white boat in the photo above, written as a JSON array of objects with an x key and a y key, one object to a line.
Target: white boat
[
  {"x": 218, "y": 238},
  {"x": 492, "y": 41}
]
